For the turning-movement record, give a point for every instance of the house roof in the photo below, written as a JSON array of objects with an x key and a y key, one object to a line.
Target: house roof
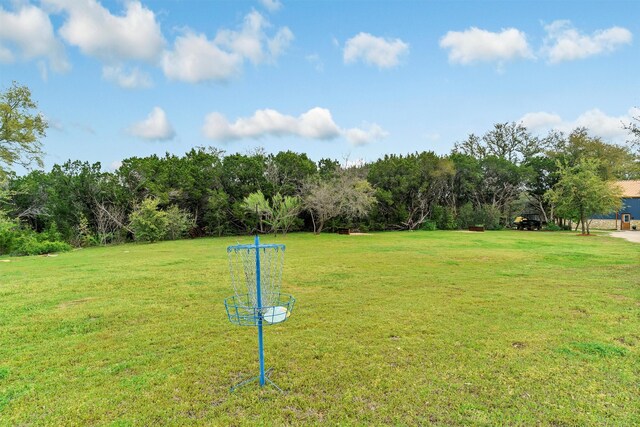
[{"x": 630, "y": 188}]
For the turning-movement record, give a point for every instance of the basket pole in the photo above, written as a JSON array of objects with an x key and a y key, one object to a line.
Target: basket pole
[{"x": 259, "y": 301}]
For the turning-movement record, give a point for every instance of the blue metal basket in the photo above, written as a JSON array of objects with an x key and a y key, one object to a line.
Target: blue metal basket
[{"x": 241, "y": 313}]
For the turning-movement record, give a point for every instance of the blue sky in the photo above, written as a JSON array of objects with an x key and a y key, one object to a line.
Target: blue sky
[{"x": 338, "y": 79}]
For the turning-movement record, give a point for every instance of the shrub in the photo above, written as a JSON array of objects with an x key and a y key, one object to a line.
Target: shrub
[
  {"x": 429, "y": 225},
  {"x": 489, "y": 216},
  {"x": 178, "y": 223},
  {"x": 444, "y": 218},
  {"x": 466, "y": 216},
  {"x": 552, "y": 226},
  {"x": 29, "y": 244},
  {"x": 147, "y": 222},
  {"x": 9, "y": 232},
  {"x": 84, "y": 237}
]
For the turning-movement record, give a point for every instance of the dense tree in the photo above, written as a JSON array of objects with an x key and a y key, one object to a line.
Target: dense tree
[
  {"x": 581, "y": 193},
  {"x": 408, "y": 187},
  {"x": 21, "y": 127},
  {"x": 286, "y": 171},
  {"x": 509, "y": 141},
  {"x": 343, "y": 195},
  {"x": 615, "y": 161},
  {"x": 148, "y": 223}
]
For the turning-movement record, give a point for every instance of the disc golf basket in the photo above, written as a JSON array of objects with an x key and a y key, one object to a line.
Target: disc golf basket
[{"x": 256, "y": 275}]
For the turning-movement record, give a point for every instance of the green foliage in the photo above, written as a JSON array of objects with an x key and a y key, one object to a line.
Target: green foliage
[
  {"x": 489, "y": 216},
  {"x": 429, "y": 225},
  {"x": 613, "y": 161},
  {"x": 486, "y": 180},
  {"x": 17, "y": 240},
  {"x": 20, "y": 128},
  {"x": 552, "y": 226},
  {"x": 84, "y": 237},
  {"x": 345, "y": 195},
  {"x": 9, "y": 232},
  {"x": 287, "y": 171},
  {"x": 178, "y": 223},
  {"x": 444, "y": 218},
  {"x": 148, "y": 223},
  {"x": 285, "y": 212},
  {"x": 407, "y": 187},
  {"x": 216, "y": 221},
  {"x": 281, "y": 214},
  {"x": 581, "y": 193},
  {"x": 30, "y": 243},
  {"x": 466, "y": 216}
]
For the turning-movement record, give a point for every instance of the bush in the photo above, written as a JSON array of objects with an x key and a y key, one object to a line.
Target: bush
[
  {"x": 489, "y": 216},
  {"x": 147, "y": 222},
  {"x": 83, "y": 236},
  {"x": 9, "y": 232},
  {"x": 178, "y": 223},
  {"x": 29, "y": 244},
  {"x": 466, "y": 216},
  {"x": 444, "y": 218},
  {"x": 552, "y": 226},
  {"x": 429, "y": 225}
]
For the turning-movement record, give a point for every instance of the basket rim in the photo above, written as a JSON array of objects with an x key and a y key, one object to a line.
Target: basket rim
[
  {"x": 260, "y": 246},
  {"x": 283, "y": 299}
]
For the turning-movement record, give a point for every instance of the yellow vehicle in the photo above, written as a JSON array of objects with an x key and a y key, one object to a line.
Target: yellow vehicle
[{"x": 528, "y": 222}]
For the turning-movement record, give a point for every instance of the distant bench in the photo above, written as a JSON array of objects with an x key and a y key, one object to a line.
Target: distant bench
[
  {"x": 476, "y": 228},
  {"x": 344, "y": 231}
]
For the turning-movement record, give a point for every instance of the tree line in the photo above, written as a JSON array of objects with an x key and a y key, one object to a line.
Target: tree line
[{"x": 486, "y": 180}]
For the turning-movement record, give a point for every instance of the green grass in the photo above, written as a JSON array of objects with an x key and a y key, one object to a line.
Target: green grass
[{"x": 444, "y": 328}]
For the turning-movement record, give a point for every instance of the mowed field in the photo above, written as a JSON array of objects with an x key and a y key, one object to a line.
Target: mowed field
[{"x": 403, "y": 328}]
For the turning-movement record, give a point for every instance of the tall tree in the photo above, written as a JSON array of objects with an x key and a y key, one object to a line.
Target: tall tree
[
  {"x": 509, "y": 141},
  {"x": 614, "y": 161},
  {"x": 634, "y": 130},
  {"x": 21, "y": 127},
  {"x": 344, "y": 195},
  {"x": 581, "y": 193}
]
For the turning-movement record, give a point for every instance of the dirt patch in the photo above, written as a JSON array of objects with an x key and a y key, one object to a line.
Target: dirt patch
[{"x": 360, "y": 234}]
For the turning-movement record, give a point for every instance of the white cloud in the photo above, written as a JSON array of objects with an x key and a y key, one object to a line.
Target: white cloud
[
  {"x": 317, "y": 123},
  {"x": 155, "y": 127},
  {"x": 565, "y": 43},
  {"x": 280, "y": 42},
  {"x": 132, "y": 79},
  {"x": 596, "y": 121},
  {"x": 372, "y": 50},
  {"x": 358, "y": 136},
  {"x": 30, "y": 32},
  {"x": 476, "y": 45},
  {"x": 136, "y": 35},
  {"x": 540, "y": 120},
  {"x": 195, "y": 58},
  {"x": 271, "y": 5}
]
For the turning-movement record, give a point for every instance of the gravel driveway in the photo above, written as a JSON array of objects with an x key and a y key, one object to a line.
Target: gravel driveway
[{"x": 632, "y": 236}]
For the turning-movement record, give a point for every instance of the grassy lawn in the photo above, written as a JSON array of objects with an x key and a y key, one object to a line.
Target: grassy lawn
[{"x": 445, "y": 328}]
